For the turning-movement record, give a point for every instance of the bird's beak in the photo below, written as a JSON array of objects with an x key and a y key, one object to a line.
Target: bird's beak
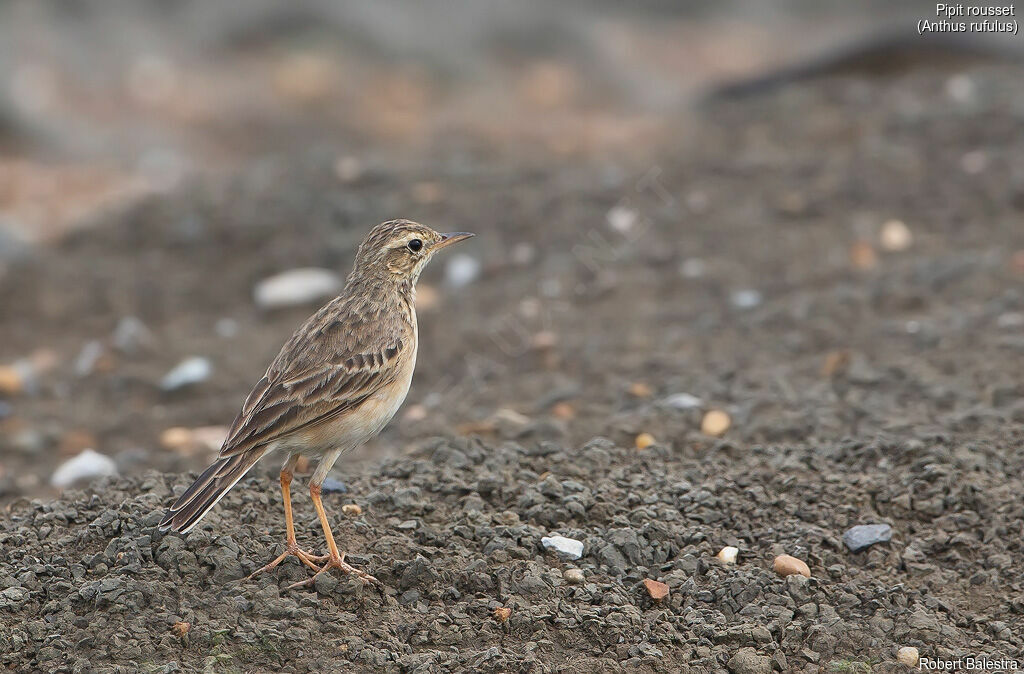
[{"x": 450, "y": 238}]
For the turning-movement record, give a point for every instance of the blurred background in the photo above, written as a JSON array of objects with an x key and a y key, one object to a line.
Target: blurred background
[{"x": 801, "y": 213}]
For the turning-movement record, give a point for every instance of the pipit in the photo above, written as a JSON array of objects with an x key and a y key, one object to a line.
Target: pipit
[{"x": 335, "y": 384}]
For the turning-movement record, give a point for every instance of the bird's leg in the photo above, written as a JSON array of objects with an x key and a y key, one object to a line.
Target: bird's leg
[
  {"x": 335, "y": 559},
  {"x": 291, "y": 546}
]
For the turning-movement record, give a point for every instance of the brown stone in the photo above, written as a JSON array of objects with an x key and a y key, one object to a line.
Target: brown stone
[
  {"x": 656, "y": 589},
  {"x": 785, "y": 565}
]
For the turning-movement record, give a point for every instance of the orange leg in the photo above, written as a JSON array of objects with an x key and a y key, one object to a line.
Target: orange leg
[
  {"x": 335, "y": 559},
  {"x": 291, "y": 546}
]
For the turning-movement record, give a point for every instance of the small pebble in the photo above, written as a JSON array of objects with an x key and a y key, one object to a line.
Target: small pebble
[
  {"x": 210, "y": 438},
  {"x": 502, "y": 614},
  {"x": 177, "y": 438},
  {"x": 863, "y": 255},
  {"x": 131, "y": 335},
  {"x": 657, "y": 590},
  {"x": 746, "y": 299},
  {"x": 332, "y": 486},
  {"x": 727, "y": 555},
  {"x": 715, "y": 423},
  {"x": 563, "y": 410},
  {"x": 644, "y": 440},
  {"x": 863, "y": 536},
  {"x": 190, "y": 441},
  {"x": 1010, "y": 319},
  {"x": 836, "y": 363},
  {"x": 545, "y": 339},
  {"x": 785, "y": 565},
  {"x": 86, "y": 465},
  {"x": 621, "y": 219},
  {"x": 639, "y": 389},
  {"x": 569, "y": 547},
  {"x": 191, "y": 371},
  {"x": 415, "y": 413},
  {"x": 573, "y": 576},
  {"x": 682, "y": 401},
  {"x": 693, "y": 267},
  {"x": 908, "y": 656},
  {"x": 10, "y": 381},
  {"x": 180, "y": 629},
  {"x": 895, "y": 236},
  {"x": 296, "y": 287},
  {"x": 87, "y": 358},
  {"x": 461, "y": 270},
  {"x": 352, "y": 509}
]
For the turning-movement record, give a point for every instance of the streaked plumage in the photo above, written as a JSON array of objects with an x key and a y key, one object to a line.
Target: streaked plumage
[{"x": 335, "y": 384}]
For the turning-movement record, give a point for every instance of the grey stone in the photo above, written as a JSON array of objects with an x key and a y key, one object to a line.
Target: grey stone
[
  {"x": 748, "y": 661},
  {"x": 332, "y": 486},
  {"x": 863, "y": 536}
]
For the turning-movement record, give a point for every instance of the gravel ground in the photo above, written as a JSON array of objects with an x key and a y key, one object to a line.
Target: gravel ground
[{"x": 867, "y": 379}]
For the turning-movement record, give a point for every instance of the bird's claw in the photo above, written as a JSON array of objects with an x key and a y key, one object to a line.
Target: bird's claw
[
  {"x": 291, "y": 548},
  {"x": 337, "y": 563}
]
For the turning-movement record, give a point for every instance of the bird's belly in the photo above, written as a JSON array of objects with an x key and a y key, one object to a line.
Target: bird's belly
[{"x": 354, "y": 427}]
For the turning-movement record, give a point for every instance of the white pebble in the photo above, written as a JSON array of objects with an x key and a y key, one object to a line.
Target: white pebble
[
  {"x": 727, "y": 555},
  {"x": 87, "y": 464},
  {"x": 569, "y": 547},
  {"x": 1011, "y": 319},
  {"x": 192, "y": 370},
  {"x": 895, "y": 236},
  {"x": 87, "y": 357},
  {"x": 573, "y": 576},
  {"x": 461, "y": 270},
  {"x": 693, "y": 267},
  {"x": 131, "y": 334},
  {"x": 909, "y": 656},
  {"x": 960, "y": 88},
  {"x": 683, "y": 401},
  {"x": 746, "y": 299},
  {"x": 621, "y": 219},
  {"x": 296, "y": 287}
]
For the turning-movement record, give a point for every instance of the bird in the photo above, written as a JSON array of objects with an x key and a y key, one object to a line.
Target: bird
[{"x": 335, "y": 384}]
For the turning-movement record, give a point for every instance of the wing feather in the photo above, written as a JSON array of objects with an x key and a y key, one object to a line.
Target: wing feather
[{"x": 288, "y": 401}]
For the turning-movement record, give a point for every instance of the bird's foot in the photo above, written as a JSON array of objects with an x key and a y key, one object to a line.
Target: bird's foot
[
  {"x": 292, "y": 548},
  {"x": 337, "y": 562}
]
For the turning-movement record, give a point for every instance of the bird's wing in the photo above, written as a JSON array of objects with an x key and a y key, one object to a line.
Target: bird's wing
[{"x": 298, "y": 392}]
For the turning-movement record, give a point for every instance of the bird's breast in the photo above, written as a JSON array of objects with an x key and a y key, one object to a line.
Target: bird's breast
[{"x": 354, "y": 427}]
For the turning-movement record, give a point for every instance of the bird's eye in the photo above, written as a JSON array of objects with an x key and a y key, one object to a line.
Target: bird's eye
[{"x": 415, "y": 245}]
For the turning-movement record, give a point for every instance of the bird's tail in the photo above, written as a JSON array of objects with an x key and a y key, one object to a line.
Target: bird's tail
[{"x": 210, "y": 488}]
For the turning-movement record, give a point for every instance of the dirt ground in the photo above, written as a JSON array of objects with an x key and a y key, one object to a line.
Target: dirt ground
[{"x": 750, "y": 261}]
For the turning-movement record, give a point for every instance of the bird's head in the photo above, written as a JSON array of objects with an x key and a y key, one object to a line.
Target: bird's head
[{"x": 400, "y": 249}]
